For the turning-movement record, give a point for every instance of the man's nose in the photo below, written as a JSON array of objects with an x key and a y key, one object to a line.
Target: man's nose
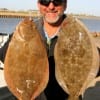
[{"x": 51, "y": 5}]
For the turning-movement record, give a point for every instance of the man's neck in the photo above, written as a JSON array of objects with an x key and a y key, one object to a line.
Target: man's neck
[{"x": 52, "y": 29}]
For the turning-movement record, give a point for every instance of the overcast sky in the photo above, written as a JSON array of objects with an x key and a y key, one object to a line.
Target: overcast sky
[{"x": 91, "y": 7}]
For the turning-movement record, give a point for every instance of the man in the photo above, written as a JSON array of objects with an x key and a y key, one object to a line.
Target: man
[
  {"x": 52, "y": 12},
  {"x": 53, "y": 16}
]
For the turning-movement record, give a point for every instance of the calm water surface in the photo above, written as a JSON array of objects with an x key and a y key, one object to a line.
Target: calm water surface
[
  {"x": 92, "y": 24},
  {"x": 7, "y": 25}
]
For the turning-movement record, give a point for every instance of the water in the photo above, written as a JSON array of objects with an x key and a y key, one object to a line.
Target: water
[
  {"x": 7, "y": 25},
  {"x": 92, "y": 24}
]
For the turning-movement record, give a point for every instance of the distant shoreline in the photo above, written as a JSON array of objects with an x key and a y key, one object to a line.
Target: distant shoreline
[
  {"x": 35, "y": 13},
  {"x": 88, "y": 17}
]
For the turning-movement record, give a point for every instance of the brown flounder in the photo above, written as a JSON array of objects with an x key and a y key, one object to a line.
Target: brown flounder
[
  {"x": 26, "y": 64},
  {"x": 76, "y": 58}
]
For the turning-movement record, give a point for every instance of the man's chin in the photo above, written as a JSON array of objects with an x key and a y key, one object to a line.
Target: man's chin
[{"x": 52, "y": 20}]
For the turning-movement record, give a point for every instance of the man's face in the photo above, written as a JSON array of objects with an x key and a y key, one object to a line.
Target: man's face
[{"x": 52, "y": 10}]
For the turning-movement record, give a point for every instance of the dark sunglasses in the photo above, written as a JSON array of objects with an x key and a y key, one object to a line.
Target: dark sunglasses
[{"x": 55, "y": 2}]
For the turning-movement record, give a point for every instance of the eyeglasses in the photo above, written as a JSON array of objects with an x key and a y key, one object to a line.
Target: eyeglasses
[{"x": 55, "y": 2}]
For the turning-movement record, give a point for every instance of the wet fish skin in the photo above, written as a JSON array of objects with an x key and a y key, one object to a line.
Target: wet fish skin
[
  {"x": 26, "y": 64},
  {"x": 76, "y": 58}
]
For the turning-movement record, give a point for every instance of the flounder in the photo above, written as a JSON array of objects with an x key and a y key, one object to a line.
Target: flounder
[
  {"x": 76, "y": 57},
  {"x": 26, "y": 63}
]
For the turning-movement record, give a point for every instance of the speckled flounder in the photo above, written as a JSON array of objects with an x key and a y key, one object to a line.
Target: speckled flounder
[
  {"x": 26, "y": 63},
  {"x": 76, "y": 57}
]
